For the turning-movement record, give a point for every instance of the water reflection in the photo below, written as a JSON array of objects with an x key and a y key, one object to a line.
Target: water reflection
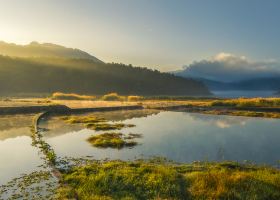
[
  {"x": 17, "y": 156},
  {"x": 12, "y": 126},
  {"x": 184, "y": 137},
  {"x": 220, "y": 121},
  {"x": 56, "y": 126}
]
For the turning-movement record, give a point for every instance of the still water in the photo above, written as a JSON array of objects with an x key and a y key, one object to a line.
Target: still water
[
  {"x": 17, "y": 155},
  {"x": 179, "y": 136}
]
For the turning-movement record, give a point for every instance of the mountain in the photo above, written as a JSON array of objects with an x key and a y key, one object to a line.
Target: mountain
[
  {"x": 35, "y": 49},
  {"x": 271, "y": 83},
  {"x": 86, "y": 76}
]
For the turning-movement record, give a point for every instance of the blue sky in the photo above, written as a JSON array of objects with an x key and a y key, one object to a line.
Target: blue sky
[{"x": 155, "y": 33}]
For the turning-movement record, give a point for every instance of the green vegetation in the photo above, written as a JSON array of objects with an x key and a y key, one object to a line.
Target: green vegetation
[
  {"x": 107, "y": 126},
  {"x": 163, "y": 180},
  {"x": 243, "y": 113},
  {"x": 37, "y": 185},
  {"x": 248, "y": 102},
  {"x": 112, "y": 140},
  {"x": 71, "y": 96},
  {"x": 41, "y": 144},
  {"x": 96, "y": 123},
  {"x": 83, "y": 119},
  {"x": 85, "y": 76}
]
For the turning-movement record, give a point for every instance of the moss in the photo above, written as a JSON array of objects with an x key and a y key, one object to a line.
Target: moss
[
  {"x": 112, "y": 140},
  {"x": 164, "y": 180}
]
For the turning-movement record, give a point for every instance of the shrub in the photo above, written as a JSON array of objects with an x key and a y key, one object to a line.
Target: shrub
[
  {"x": 71, "y": 96},
  {"x": 134, "y": 98},
  {"x": 113, "y": 97}
]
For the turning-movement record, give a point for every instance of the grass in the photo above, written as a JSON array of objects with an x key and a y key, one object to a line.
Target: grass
[
  {"x": 107, "y": 126},
  {"x": 83, "y": 119},
  {"x": 248, "y": 102},
  {"x": 96, "y": 123},
  {"x": 134, "y": 98},
  {"x": 111, "y": 140},
  {"x": 243, "y": 113},
  {"x": 163, "y": 180},
  {"x": 71, "y": 96},
  {"x": 113, "y": 97}
]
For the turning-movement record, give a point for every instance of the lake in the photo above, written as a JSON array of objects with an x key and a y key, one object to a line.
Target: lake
[
  {"x": 17, "y": 155},
  {"x": 179, "y": 136}
]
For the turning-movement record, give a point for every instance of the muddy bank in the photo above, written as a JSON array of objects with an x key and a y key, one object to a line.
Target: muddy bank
[{"x": 60, "y": 109}]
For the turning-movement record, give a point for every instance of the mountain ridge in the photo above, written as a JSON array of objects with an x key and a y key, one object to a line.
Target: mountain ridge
[{"x": 35, "y": 49}]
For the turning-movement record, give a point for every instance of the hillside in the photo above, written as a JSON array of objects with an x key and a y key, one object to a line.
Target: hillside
[
  {"x": 35, "y": 49},
  {"x": 263, "y": 83},
  {"x": 47, "y": 75}
]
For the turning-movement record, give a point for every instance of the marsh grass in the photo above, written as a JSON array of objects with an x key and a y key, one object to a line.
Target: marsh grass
[
  {"x": 111, "y": 140},
  {"x": 71, "y": 96},
  {"x": 248, "y": 102},
  {"x": 164, "y": 180},
  {"x": 96, "y": 123},
  {"x": 83, "y": 119},
  {"x": 113, "y": 97},
  {"x": 107, "y": 126},
  {"x": 243, "y": 113}
]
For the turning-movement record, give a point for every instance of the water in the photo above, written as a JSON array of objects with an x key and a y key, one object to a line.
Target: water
[
  {"x": 17, "y": 156},
  {"x": 180, "y": 136},
  {"x": 244, "y": 93}
]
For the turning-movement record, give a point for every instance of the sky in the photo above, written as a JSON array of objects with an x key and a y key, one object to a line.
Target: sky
[{"x": 159, "y": 34}]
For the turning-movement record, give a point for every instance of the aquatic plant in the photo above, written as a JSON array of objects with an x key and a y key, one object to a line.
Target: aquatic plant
[
  {"x": 112, "y": 140},
  {"x": 243, "y": 113},
  {"x": 107, "y": 126},
  {"x": 96, "y": 123},
  {"x": 83, "y": 119},
  {"x": 36, "y": 185}
]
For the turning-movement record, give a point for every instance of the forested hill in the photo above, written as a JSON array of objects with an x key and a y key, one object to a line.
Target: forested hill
[
  {"x": 46, "y": 75},
  {"x": 35, "y": 49}
]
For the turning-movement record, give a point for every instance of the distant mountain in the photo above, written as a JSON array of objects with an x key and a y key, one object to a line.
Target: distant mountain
[
  {"x": 265, "y": 83},
  {"x": 35, "y": 49},
  {"x": 86, "y": 76}
]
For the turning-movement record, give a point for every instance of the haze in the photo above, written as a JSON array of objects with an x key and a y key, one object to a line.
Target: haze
[{"x": 158, "y": 34}]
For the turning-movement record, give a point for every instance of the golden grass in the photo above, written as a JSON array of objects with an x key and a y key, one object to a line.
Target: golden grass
[
  {"x": 113, "y": 97},
  {"x": 71, "y": 96},
  {"x": 248, "y": 102},
  {"x": 243, "y": 113}
]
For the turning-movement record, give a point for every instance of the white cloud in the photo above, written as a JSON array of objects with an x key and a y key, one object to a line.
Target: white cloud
[{"x": 228, "y": 67}]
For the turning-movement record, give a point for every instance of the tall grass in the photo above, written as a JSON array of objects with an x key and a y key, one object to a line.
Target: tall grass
[
  {"x": 113, "y": 97},
  {"x": 71, "y": 96},
  {"x": 248, "y": 102}
]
